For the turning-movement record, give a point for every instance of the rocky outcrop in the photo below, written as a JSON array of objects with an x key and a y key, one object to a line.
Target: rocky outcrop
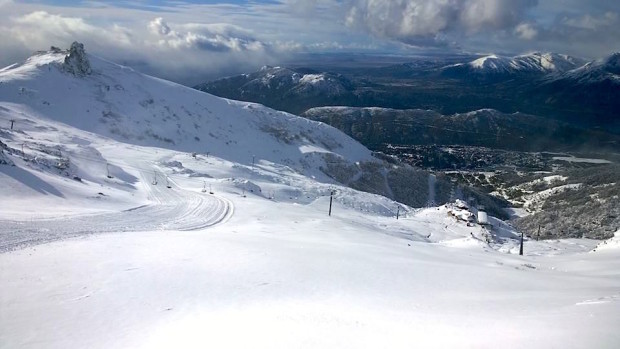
[
  {"x": 4, "y": 159},
  {"x": 76, "y": 61}
]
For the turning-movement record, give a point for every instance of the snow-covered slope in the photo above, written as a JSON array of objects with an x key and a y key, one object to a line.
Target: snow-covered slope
[
  {"x": 92, "y": 136},
  {"x": 120, "y": 103},
  {"x": 610, "y": 244}
]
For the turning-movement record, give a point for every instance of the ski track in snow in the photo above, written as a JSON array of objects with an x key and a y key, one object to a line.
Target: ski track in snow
[{"x": 172, "y": 209}]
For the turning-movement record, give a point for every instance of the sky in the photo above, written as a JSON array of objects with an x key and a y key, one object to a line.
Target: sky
[{"x": 191, "y": 41}]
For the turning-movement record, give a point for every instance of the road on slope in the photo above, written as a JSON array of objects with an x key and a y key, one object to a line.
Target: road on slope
[{"x": 172, "y": 208}]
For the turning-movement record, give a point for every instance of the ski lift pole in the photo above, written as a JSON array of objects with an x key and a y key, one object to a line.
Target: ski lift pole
[
  {"x": 397, "y": 212},
  {"x": 331, "y": 198},
  {"x": 521, "y": 247}
]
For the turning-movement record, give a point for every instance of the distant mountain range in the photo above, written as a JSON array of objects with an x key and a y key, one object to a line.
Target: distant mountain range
[
  {"x": 283, "y": 87},
  {"x": 489, "y": 128},
  {"x": 534, "y": 63},
  {"x": 583, "y": 94}
]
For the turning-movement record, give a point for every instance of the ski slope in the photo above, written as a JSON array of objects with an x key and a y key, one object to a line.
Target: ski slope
[
  {"x": 278, "y": 275},
  {"x": 170, "y": 208},
  {"x": 110, "y": 236}
]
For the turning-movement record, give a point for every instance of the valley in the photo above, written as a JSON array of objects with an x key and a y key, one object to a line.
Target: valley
[{"x": 519, "y": 119}]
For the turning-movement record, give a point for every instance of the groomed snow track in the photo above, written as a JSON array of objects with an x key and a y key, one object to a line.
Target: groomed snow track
[{"x": 173, "y": 208}]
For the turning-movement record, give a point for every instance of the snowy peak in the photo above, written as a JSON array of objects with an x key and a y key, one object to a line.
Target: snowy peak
[
  {"x": 288, "y": 80},
  {"x": 549, "y": 62},
  {"x": 274, "y": 77},
  {"x": 74, "y": 61},
  {"x": 325, "y": 83},
  {"x": 530, "y": 63},
  {"x": 603, "y": 71},
  {"x": 612, "y": 63},
  {"x": 30, "y": 67},
  {"x": 291, "y": 89},
  {"x": 490, "y": 62},
  {"x": 110, "y": 100}
]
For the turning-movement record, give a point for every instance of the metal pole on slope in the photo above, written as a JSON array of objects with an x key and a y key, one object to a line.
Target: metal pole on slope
[
  {"x": 538, "y": 234},
  {"x": 397, "y": 212},
  {"x": 331, "y": 198},
  {"x": 12, "y": 122},
  {"x": 521, "y": 247}
]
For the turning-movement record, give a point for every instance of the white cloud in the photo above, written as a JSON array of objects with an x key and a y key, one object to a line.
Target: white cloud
[
  {"x": 159, "y": 27},
  {"x": 208, "y": 37},
  {"x": 41, "y": 29},
  {"x": 526, "y": 31},
  {"x": 180, "y": 52}
]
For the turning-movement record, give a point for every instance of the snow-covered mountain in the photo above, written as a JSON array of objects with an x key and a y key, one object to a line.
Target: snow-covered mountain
[
  {"x": 606, "y": 70},
  {"x": 593, "y": 89},
  {"x": 90, "y": 146},
  {"x": 287, "y": 81},
  {"x": 283, "y": 88},
  {"x": 532, "y": 63},
  {"x": 117, "y": 102}
]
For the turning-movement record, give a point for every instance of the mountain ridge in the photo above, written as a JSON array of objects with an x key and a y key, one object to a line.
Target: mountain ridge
[
  {"x": 485, "y": 127},
  {"x": 544, "y": 84},
  {"x": 532, "y": 63}
]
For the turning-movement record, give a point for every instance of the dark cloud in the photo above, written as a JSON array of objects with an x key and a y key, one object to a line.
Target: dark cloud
[
  {"x": 587, "y": 34},
  {"x": 414, "y": 21}
]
